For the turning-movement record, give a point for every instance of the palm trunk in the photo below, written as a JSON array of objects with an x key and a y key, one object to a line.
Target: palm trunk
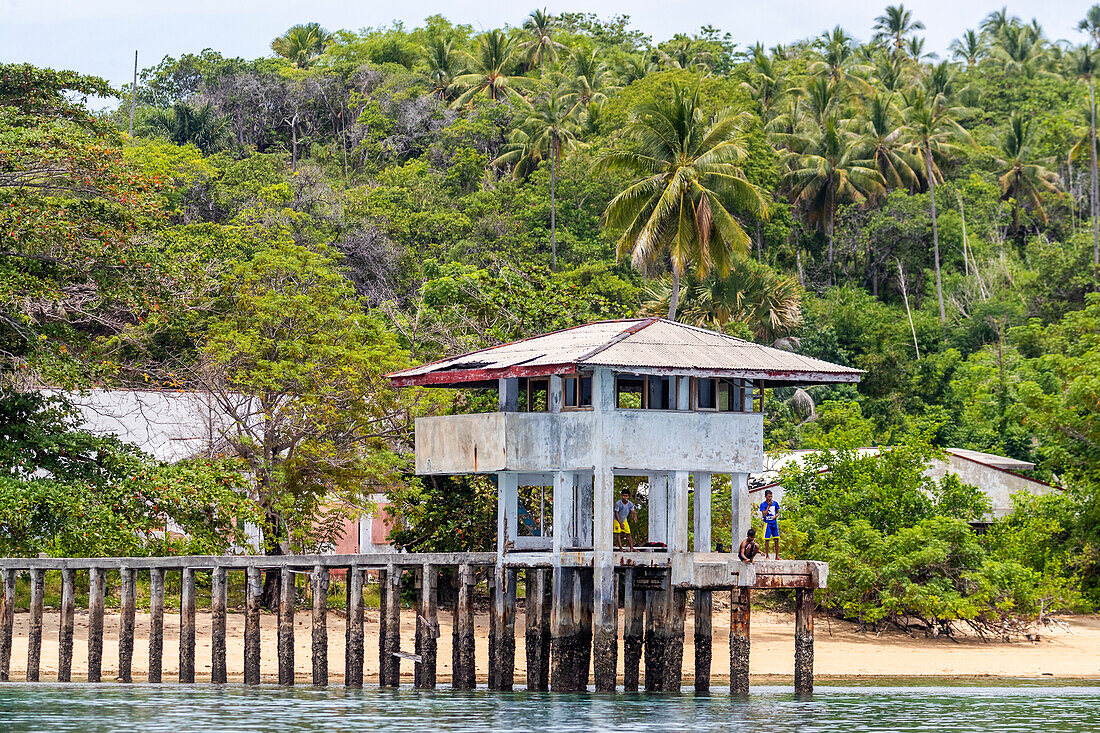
[
  {"x": 553, "y": 204},
  {"x": 1094, "y": 182},
  {"x": 935, "y": 233},
  {"x": 829, "y": 235},
  {"x": 674, "y": 297}
]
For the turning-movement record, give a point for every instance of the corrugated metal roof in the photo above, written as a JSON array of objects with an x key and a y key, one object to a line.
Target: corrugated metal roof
[{"x": 644, "y": 345}]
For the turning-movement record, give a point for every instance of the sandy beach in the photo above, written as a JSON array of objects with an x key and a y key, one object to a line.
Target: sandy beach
[{"x": 841, "y": 652}]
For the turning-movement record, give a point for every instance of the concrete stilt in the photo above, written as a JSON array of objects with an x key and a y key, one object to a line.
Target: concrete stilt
[
  {"x": 674, "y": 661},
  {"x": 7, "y": 621},
  {"x": 187, "y": 626},
  {"x": 383, "y": 591},
  {"x": 427, "y": 629},
  {"x": 657, "y": 631},
  {"x": 502, "y": 657},
  {"x": 96, "y": 590},
  {"x": 537, "y": 630},
  {"x": 354, "y": 656},
  {"x": 633, "y": 630},
  {"x": 253, "y": 592},
  {"x": 65, "y": 629},
  {"x": 126, "y": 619},
  {"x": 462, "y": 655},
  {"x": 391, "y": 644},
  {"x": 563, "y": 633},
  {"x": 803, "y": 640},
  {"x": 703, "y": 605},
  {"x": 156, "y": 624},
  {"x": 582, "y": 620},
  {"x": 219, "y": 601},
  {"x": 318, "y": 580},
  {"x": 34, "y": 641},
  {"x": 739, "y": 641}
]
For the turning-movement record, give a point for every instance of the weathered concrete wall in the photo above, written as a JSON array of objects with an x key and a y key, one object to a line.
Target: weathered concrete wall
[
  {"x": 997, "y": 485},
  {"x": 725, "y": 442}
]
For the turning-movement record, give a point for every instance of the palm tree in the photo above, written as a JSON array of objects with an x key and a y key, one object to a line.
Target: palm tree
[
  {"x": 590, "y": 79},
  {"x": 634, "y": 67},
  {"x": 492, "y": 71},
  {"x": 1091, "y": 24},
  {"x": 828, "y": 168},
  {"x": 883, "y": 142},
  {"x": 687, "y": 179},
  {"x": 199, "y": 126},
  {"x": 444, "y": 66},
  {"x": 823, "y": 97},
  {"x": 915, "y": 47},
  {"x": 301, "y": 44},
  {"x": 766, "y": 84},
  {"x": 541, "y": 47},
  {"x": 996, "y": 21},
  {"x": 933, "y": 133},
  {"x": 894, "y": 25},
  {"x": 548, "y": 129},
  {"x": 970, "y": 48},
  {"x": 1021, "y": 49},
  {"x": 752, "y": 293},
  {"x": 1025, "y": 179},
  {"x": 838, "y": 59}
]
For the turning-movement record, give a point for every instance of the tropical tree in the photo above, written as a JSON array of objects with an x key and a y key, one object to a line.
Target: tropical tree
[
  {"x": 200, "y": 126},
  {"x": 634, "y": 67},
  {"x": 688, "y": 184},
  {"x": 894, "y": 25},
  {"x": 444, "y": 65},
  {"x": 492, "y": 71},
  {"x": 838, "y": 58},
  {"x": 1023, "y": 179},
  {"x": 590, "y": 83},
  {"x": 934, "y": 134},
  {"x": 829, "y": 167},
  {"x": 547, "y": 130},
  {"x": 541, "y": 46},
  {"x": 1090, "y": 24},
  {"x": 883, "y": 141},
  {"x": 1021, "y": 49},
  {"x": 766, "y": 84},
  {"x": 302, "y": 44},
  {"x": 969, "y": 48},
  {"x": 996, "y": 21}
]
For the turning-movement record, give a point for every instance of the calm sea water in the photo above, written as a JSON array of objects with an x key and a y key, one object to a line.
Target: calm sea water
[{"x": 204, "y": 708}]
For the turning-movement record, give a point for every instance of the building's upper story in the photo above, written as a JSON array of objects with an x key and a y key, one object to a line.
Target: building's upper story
[{"x": 649, "y": 394}]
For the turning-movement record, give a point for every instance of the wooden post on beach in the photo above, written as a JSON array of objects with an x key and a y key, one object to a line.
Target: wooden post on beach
[
  {"x": 127, "y": 613},
  {"x": 804, "y": 640},
  {"x": 65, "y": 627},
  {"x": 187, "y": 626},
  {"x": 34, "y": 639},
  {"x": 318, "y": 581},
  {"x": 7, "y": 620},
  {"x": 252, "y": 595},
  {"x": 390, "y": 669},
  {"x": 285, "y": 649},
  {"x": 96, "y": 590},
  {"x": 427, "y": 629},
  {"x": 219, "y": 600},
  {"x": 537, "y": 632},
  {"x": 740, "y": 612},
  {"x": 633, "y": 630},
  {"x": 353, "y": 659},
  {"x": 383, "y": 589},
  {"x": 156, "y": 624},
  {"x": 703, "y": 606},
  {"x": 462, "y": 654}
]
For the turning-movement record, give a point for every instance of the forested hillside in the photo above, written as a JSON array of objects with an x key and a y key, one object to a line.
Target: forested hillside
[{"x": 294, "y": 227}]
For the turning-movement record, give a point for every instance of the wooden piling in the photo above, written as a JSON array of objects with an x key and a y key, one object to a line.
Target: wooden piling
[
  {"x": 219, "y": 600},
  {"x": 502, "y": 655},
  {"x": 739, "y": 641},
  {"x": 285, "y": 649},
  {"x": 318, "y": 580},
  {"x": 582, "y": 618},
  {"x": 253, "y": 591},
  {"x": 353, "y": 659},
  {"x": 156, "y": 624},
  {"x": 674, "y": 662},
  {"x": 804, "y": 640},
  {"x": 7, "y": 621},
  {"x": 390, "y": 672},
  {"x": 65, "y": 627},
  {"x": 633, "y": 630},
  {"x": 537, "y": 632},
  {"x": 462, "y": 657},
  {"x": 658, "y": 609},
  {"x": 34, "y": 639},
  {"x": 427, "y": 629},
  {"x": 126, "y": 620},
  {"x": 703, "y": 637},
  {"x": 187, "y": 626},
  {"x": 563, "y": 642},
  {"x": 96, "y": 589},
  {"x": 605, "y": 632}
]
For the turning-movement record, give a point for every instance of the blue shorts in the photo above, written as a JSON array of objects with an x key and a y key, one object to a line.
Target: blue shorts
[{"x": 771, "y": 529}]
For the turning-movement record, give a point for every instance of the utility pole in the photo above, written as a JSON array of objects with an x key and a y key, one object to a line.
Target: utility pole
[{"x": 133, "y": 96}]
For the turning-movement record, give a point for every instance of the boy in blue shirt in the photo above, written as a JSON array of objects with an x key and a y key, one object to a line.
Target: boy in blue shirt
[{"x": 769, "y": 512}]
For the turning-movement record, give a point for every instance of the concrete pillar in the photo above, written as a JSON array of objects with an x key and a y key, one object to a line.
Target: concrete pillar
[
  {"x": 702, "y": 527},
  {"x": 187, "y": 626},
  {"x": 658, "y": 507},
  {"x": 537, "y": 630},
  {"x": 126, "y": 619},
  {"x": 508, "y": 395},
  {"x": 219, "y": 601},
  {"x": 502, "y": 655},
  {"x": 739, "y": 640},
  {"x": 156, "y": 624},
  {"x": 605, "y": 632},
  {"x": 252, "y": 597},
  {"x": 7, "y": 620},
  {"x": 674, "y": 665},
  {"x": 390, "y": 673},
  {"x": 507, "y": 510},
  {"x": 318, "y": 580},
  {"x": 96, "y": 590},
  {"x": 462, "y": 659},
  {"x": 741, "y": 508},
  {"x": 65, "y": 627},
  {"x": 353, "y": 635},
  {"x": 34, "y": 640},
  {"x": 678, "y": 512},
  {"x": 804, "y": 640},
  {"x": 563, "y": 634},
  {"x": 564, "y": 514},
  {"x": 633, "y": 630},
  {"x": 585, "y": 510},
  {"x": 555, "y": 397},
  {"x": 658, "y": 609},
  {"x": 427, "y": 629},
  {"x": 703, "y": 638},
  {"x": 582, "y": 621}
]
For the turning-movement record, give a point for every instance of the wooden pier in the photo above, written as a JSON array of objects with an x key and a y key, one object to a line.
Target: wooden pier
[{"x": 562, "y": 646}]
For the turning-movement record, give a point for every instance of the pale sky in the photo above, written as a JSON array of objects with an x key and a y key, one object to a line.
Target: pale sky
[{"x": 100, "y": 36}]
